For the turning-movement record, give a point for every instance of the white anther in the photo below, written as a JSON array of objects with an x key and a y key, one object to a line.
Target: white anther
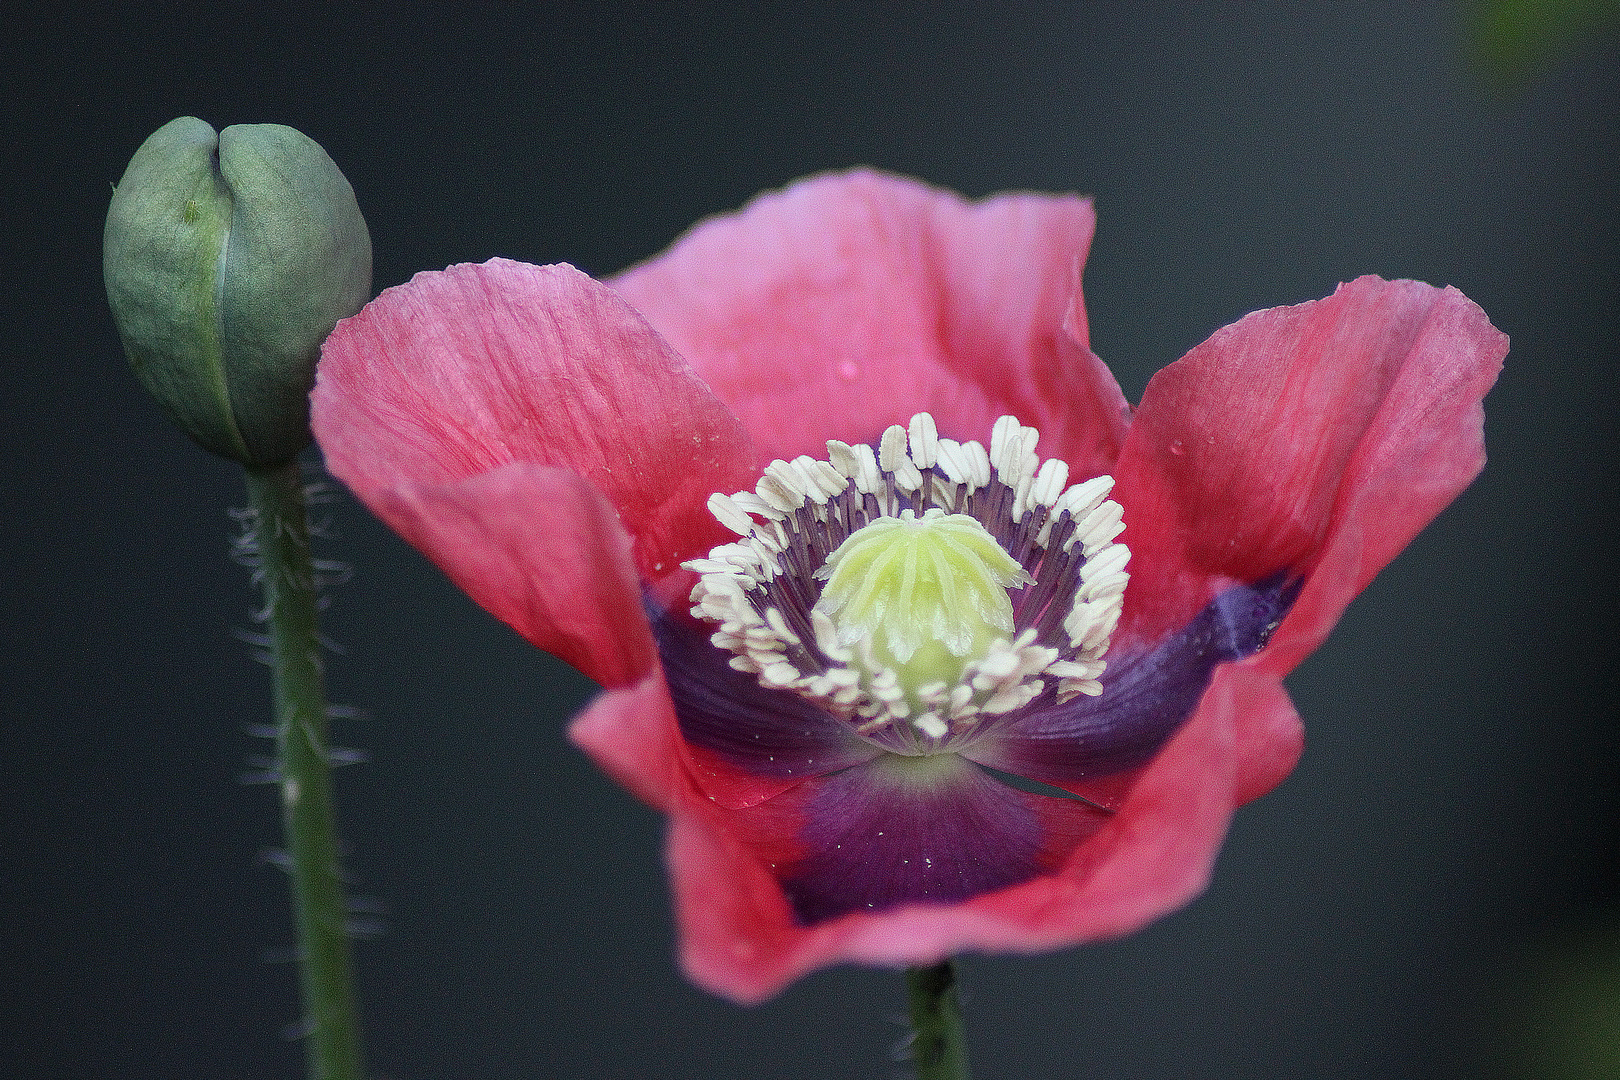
[
  {"x": 924, "y": 441},
  {"x": 1099, "y": 528},
  {"x": 1109, "y": 561},
  {"x": 892, "y": 448},
  {"x": 761, "y": 636},
  {"x": 821, "y": 480},
  {"x": 742, "y": 556},
  {"x": 766, "y": 545},
  {"x": 1094, "y": 592},
  {"x": 945, "y": 494},
  {"x": 1000, "y": 663},
  {"x": 953, "y": 460},
  {"x": 896, "y": 462},
  {"x": 778, "y": 675},
  {"x": 827, "y": 637},
  {"x": 835, "y": 680},
  {"x": 1067, "y": 689},
  {"x": 1020, "y": 504},
  {"x": 728, "y": 513},
  {"x": 1100, "y": 620},
  {"x": 1082, "y": 499},
  {"x": 1075, "y": 669},
  {"x": 868, "y": 479},
  {"x": 886, "y": 685},
  {"x": 1013, "y": 697},
  {"x": 725, "y": 587},
  {"x": 780, "y": 487},
  {"x": 751, "y": 503},
  {"x": 787, "y": 474},
  {"x": 847, "y": 696},
  {"x": 1012, "y": 450},
  {"x": 1078, "y": 622},
  {"x": 978, "y": 463},
  {"x": 1004, "y": 434},
  {"x": 1049, "y": 482},
  {"x": 792, "y": 475},
  {"x": 708, "y": 606},
  {"x": 778, "y": 531},
  {"x": 932, "y": 726},
  {"x": 710, "y": 566},
  {"x": 841, "y": 456},
  {"x": 769, "y": 565}
]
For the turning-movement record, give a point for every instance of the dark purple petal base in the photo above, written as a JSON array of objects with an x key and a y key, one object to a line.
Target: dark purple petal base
[
  {"x": 771, "y": 733},
  {"x": 912, "y": 830},
  {"x": 1146, "y": 695}
]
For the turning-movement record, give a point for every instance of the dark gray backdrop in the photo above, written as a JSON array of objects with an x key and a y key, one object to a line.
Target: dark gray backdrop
[{"x": 1394, "y": 910}]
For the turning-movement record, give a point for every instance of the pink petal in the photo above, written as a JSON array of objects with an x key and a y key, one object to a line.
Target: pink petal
[
  {"x": 464, "y": 370},
  {"x": 1156, "y": 852},
  {"x": 541, "y": 550},
  {"x": 1317, "y": 439},
  {"x": 630, "y": 732},
  {"x": 1270, "y": 737},
  {"x": 847, "y": 302}
]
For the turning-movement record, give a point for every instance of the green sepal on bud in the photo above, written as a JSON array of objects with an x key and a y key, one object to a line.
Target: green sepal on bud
[{"x": 228, "y": 259}]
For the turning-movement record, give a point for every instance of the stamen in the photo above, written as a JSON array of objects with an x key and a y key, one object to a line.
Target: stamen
[
  {"x": 919, "y": 587},
  {"x": 780, "y": 487},
  {"x": 924, "y": 441},
  {"x": 729, "y": 514}
]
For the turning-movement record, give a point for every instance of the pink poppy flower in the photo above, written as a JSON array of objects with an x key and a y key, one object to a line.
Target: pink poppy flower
[{"x": 918, "y": 710}]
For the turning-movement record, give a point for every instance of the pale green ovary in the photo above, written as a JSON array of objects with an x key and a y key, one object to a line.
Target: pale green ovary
[{"x": 929, "y": 594}]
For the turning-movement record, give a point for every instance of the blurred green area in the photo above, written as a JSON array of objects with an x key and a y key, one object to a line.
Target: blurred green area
[
  {"x": 1567, "y": 1025},
  {"x": 1513, "y": 41}
]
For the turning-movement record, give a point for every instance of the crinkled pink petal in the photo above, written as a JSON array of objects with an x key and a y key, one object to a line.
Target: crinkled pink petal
[
  {"x": 1155, "y": 854},
  {"x": 1425, "y": 445},
  {"x": 848, "y": 302},
  {"x": 1295, "y": 434},
  {"x": 464, "y": 370},
  {"x": 541, "y": 550}
]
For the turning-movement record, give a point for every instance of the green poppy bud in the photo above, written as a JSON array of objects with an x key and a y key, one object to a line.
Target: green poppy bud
[{"x": 228, "y": 258}]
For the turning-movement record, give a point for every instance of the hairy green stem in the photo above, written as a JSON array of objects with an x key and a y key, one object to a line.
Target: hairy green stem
[
  {"x": 938, "y": 1046},
  {"x": 281, "y": 534}
]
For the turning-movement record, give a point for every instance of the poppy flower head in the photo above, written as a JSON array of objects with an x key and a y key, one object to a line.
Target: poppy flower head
[{"x": 934, "y": 693}]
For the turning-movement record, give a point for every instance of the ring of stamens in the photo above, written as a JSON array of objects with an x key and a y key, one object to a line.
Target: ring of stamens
[{"x": 762, "y": 590}]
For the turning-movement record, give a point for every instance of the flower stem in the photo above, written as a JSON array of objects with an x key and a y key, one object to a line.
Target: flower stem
[
  {"x": 938, "y": 1045},
  {"x": 286, "y": 573}
]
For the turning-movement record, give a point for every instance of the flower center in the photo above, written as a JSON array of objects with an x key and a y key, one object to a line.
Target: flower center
[
  {"x": 917, "y": 588},
  {"x": 928, "y": 593}
]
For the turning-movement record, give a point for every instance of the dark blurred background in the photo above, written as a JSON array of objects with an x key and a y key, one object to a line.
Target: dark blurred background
[{"x": 1434, "y": 893}]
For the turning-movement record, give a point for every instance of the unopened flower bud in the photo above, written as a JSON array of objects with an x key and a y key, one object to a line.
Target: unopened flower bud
[{"x": 228, "y": 258}]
